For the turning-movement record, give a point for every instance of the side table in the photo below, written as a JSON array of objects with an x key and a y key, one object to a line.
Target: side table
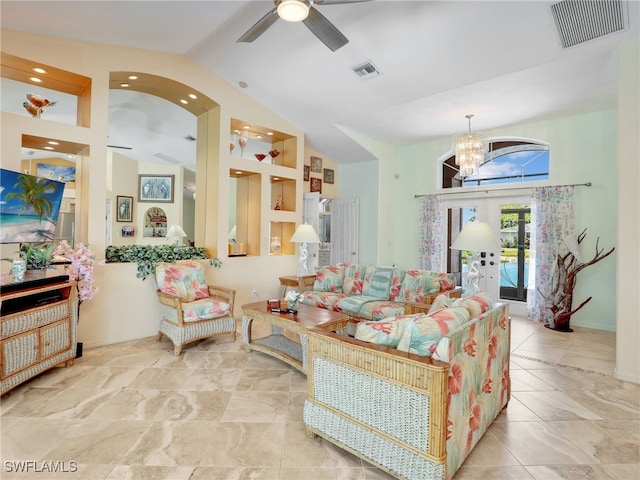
[{"x": 300, "y": 283}]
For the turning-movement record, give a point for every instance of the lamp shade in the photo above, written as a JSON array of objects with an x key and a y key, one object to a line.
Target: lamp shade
[
  {"x": 476, "y": 237},
  {"x": 175, "y": 231},
  {"x": 293, "y": 10},
  {"x": 305, "y": 234}
]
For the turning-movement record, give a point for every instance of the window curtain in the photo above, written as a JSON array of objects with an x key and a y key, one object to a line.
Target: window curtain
[
  {"x": 553, "y": 220},
  {"x": 431, "y": 223}
]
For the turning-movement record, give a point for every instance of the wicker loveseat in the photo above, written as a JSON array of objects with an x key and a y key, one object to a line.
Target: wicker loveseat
[
  {"x": 366, "y": 292},
  {"x": 417, "y": 417}
]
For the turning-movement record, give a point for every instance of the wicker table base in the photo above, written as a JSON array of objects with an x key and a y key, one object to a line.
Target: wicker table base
[{"x": 277, "y": 344}]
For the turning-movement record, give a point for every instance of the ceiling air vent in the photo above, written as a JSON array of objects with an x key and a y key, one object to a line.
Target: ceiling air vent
[
  {"x": 366, "y": 70},
  {"x": 579, "y": 21}
]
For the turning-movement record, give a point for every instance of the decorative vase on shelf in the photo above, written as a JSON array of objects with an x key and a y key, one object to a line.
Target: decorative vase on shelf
[
  {"x": 242, "y": 141},
  {"x": 260, "y": 156},
  {"x": 232, "y": 144},
  {"x": 273, "y": 154},
  {"x": 275, "y": 245}
]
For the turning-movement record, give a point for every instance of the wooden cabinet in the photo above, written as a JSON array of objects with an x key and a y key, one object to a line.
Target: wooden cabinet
[{"x": 38, "y": 328}]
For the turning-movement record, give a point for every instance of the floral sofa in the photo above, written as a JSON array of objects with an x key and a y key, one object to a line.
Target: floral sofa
[
  {"x": 366, "y": 292},
  {"x": 412, "y": 394}
]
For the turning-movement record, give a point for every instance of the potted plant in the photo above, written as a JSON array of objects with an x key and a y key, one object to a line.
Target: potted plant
[{"x": 37, "y": 256}]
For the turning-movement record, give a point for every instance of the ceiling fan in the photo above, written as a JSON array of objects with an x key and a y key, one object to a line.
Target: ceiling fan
[{"x": 304, "y": 11}]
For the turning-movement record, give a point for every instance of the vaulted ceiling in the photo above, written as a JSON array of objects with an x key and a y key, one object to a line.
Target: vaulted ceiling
[{"x": 503, "y": 61}]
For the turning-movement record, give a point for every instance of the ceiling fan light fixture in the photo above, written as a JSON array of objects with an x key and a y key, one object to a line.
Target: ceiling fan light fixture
[{"x": 293, "y": 10}]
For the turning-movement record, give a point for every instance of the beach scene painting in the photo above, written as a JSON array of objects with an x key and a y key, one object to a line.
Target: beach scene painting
[
  {"x": 62, "y": 173},
  {"x": 29, "y": 207}
]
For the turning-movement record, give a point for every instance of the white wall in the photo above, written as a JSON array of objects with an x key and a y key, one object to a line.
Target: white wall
[{"x": 628, "y": 249}]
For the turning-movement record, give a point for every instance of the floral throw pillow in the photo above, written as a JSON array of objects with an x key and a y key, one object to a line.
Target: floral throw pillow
[
  {"x": 423, "y": 334},
  {"x": 387, "y": 334},
  {"x": 184, "y": 279},
  {"x": 477, "y": 304},
  {"x": 441, "y": 301},
  {"x": 329, "y": 278}
]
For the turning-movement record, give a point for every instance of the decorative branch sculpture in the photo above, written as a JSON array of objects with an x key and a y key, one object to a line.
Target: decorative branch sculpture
[{"x": 561, "y": 297}]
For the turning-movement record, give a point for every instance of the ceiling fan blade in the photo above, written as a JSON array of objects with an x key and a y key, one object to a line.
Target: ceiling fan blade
[
  {"x": 260, "y": 26},
  {"x": 337, "y": 2},
  {"x": 326, "y": 32}
]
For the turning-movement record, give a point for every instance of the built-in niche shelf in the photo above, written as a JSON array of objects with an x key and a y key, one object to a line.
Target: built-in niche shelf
[
  {"x": 263, "y": 145},
  {"x": 283, "y": 194},
  {"x": 279, "y": 235},
  {"x": 244, "y": 215}
]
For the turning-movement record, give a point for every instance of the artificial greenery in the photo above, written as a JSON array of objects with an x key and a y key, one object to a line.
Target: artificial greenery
[
  {"x": 37, "y": 256},
  {"x": 148, "y": 256}
]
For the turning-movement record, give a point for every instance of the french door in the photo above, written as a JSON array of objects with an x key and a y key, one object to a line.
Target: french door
[{"x": 504, "y": 273}]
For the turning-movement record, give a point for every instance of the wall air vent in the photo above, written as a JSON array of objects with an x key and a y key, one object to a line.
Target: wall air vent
[
  {"x": 366, "y": 70},
  {"x": 579, "y": 21}
]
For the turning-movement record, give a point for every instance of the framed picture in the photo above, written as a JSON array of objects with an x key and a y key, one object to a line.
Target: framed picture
[
  {"x": 316, "y": 164},
  {"x": 328, "y": 175},
  {"x": 307, "y": 169},
  {"x": 156, "y": 188},
  {"x": 316, "y": 185},
  {"x": 124, "y": 209}
]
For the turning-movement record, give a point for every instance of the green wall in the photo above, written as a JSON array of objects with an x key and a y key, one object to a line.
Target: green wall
[
  {"x": 360, "y": 180},
  {"x": 583, "y": 148}
]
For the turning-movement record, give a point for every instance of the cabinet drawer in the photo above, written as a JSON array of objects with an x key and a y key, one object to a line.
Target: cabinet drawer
[
  {"x": 19, "y": 352},
  {"x": 55, "y": 338},
  {"x": 34, "y": 318}
]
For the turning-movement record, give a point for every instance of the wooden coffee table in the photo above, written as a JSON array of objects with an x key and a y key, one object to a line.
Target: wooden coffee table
[{"x": 277, "y": 344}]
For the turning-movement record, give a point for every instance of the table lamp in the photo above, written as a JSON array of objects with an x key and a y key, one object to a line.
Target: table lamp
[
  {"x": 304, "y": 234},
  {"x": 475, "y": 237},
  {"x": 177, "y": 233}
]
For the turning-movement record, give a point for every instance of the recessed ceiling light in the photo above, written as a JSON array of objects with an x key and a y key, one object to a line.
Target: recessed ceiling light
[
  {"x": 53, "y": 142},
  {"x": 124, "y": 85},
  {"x": 39, "y": 70},
  {"x": 183, "y": 101},
  {"x": 48, "y": 148},
  {"x": 35, "y": 79},
  {"x": 276, "y": 178},
  {"x": 238, "y": 173},
  {"x": 258, "y": 136},
  {"x": 246, "y": 127},
  {"x": 193, "y": 96},
  {"x": 269, "y": 133},
  {"x": 132, "y": 77}
]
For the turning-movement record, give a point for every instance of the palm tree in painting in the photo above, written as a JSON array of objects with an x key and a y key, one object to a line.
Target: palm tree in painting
[{"x": 32, "y": 192}]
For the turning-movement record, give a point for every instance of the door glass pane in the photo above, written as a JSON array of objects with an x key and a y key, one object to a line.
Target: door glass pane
[{"x": 515, "y": 231}]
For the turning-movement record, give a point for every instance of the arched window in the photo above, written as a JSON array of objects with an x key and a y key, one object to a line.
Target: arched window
[{"x": 508, "y": 161}]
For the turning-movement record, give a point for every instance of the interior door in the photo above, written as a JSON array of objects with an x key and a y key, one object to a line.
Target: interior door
[{"x": 344, "y": 230}]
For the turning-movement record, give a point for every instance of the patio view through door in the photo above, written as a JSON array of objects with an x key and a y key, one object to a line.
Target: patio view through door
[
  {"x": 505, "y": 272},
  {"x": 515, "y": 224}
]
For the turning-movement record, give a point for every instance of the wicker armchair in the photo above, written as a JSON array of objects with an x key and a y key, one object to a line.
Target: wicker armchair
[{"x": 191, "y": 309}]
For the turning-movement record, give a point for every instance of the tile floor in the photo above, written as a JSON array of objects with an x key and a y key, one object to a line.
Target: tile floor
[{"x": 135, "y": 411}]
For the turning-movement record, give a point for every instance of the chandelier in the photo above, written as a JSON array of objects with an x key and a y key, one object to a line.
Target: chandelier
[{"x": 470, "y": 148}]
